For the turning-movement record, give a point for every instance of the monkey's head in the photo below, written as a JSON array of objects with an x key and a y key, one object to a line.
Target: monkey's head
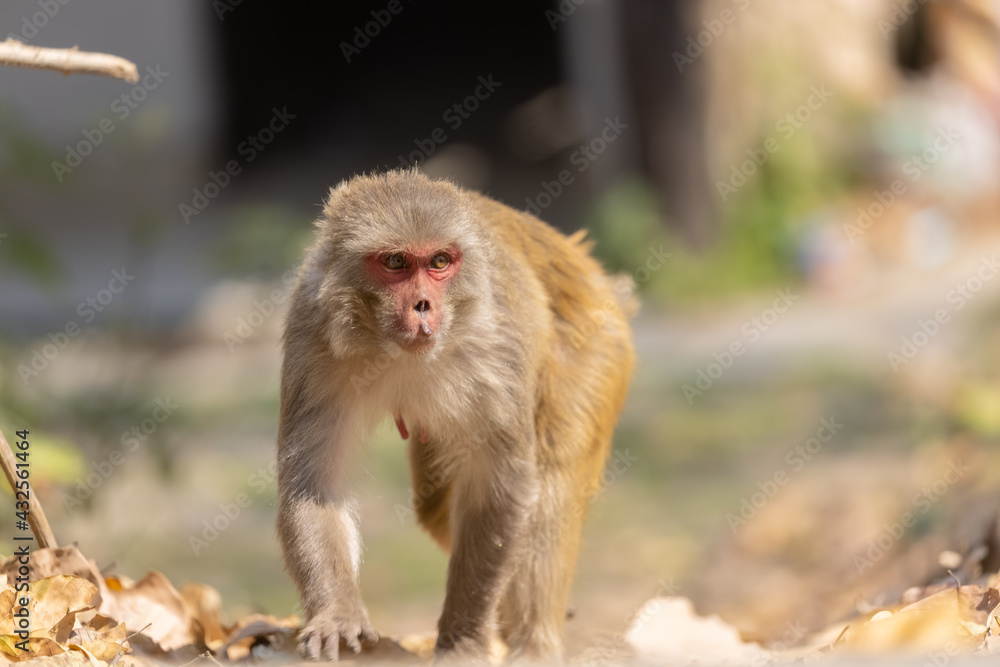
[{"x": 401, "y": 254}]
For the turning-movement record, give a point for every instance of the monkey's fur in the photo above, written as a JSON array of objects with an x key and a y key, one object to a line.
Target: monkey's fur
[{"x": 509, "y": 405}]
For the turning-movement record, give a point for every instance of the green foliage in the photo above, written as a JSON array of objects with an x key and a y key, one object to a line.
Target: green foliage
[
  {"x": 978, "y": 408},
  {"x": 28, "y": 158},
  {"x": 624, "y": 223},
  {"x": 759, "y": 227},
  {"x": 55, "y": 459},
  {"x": 26, "y": 252}
]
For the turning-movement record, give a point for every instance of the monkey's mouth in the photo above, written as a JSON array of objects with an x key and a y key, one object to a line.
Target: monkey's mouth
[
  {"x": 418, "y": 335},
  {"x": 417, "y": 344}
]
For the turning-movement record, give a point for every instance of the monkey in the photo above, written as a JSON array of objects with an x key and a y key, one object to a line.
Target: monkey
[{"x": 502, "y": 351}]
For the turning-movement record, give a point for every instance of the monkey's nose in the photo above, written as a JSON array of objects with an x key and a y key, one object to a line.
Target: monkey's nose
[{"x": 423, "y": 307}]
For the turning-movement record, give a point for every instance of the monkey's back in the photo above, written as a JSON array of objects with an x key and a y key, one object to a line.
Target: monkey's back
[{"x": 587, "y": 363}]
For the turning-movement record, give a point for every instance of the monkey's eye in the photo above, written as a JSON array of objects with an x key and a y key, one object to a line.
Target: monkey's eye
[
  {"x": 394, "y": 262},
  {"x": 440, "y": 260}
]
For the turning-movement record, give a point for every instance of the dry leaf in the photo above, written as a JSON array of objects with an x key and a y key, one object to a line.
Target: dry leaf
[
  {"x": 152, "y": 601},
  {"x": 37, "y": 647},
  {"x": 61, "y": 631},
  {"x": 51, "y": 562},
  {"x": 667, "y": 630},
  {"x": 203, "y": 604},
  {"x": 420, "y": 645},
  {"x": 119, "y": 582},
  {"x": 74, "y": 648},
  {"x": 277, "y": 633},
  {"x": 948, "y": 618},
  {"x": 54, "y": 597},
  {"x": 67, "y": 659},
  {"x": 990, "y": 601},
  {"x": 53, "y": 606}
]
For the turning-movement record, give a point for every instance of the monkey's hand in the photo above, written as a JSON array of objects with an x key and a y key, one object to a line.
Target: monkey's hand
[{"x": 344, "y": 620}]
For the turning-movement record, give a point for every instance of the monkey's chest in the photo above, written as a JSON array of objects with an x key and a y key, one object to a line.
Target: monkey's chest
[{"x": 404, "y": 432}]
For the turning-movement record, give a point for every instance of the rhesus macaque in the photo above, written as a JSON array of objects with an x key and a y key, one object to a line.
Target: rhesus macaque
[{"x": 502, "y": 351}]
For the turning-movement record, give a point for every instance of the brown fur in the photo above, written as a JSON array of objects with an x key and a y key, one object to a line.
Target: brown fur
[{"x": 510, "y": 414}]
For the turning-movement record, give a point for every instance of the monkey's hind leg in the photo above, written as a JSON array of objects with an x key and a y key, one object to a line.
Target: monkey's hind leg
[
  {"x": 533, "y": 610},
  {"x": 431, "y": 493}
]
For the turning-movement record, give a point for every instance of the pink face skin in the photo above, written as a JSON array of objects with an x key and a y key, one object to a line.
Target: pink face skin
[{"x": 417, "y": 278}]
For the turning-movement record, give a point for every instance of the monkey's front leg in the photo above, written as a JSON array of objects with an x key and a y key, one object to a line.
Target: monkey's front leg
[
  {"x": 316, "y": 518},
  {"x": 322, "y": 549},
  {"x": 490, "y": 515}
]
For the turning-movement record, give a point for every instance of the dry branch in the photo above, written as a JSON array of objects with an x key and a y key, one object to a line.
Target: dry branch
[
  {"x": 67, "y": 61},
  {"x": 36, "y": 517}
]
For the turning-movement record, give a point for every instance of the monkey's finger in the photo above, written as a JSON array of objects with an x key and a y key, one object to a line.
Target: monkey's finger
[
  {"x": 351, "y": 639},
  {"x": 310, "y": 645},
  {"x": 369, "y": 634},
  {"x": 331, "y": 647}
]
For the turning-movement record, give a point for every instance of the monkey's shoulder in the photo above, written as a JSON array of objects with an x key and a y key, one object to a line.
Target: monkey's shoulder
[
  {"x": 562, "y": 263},
  {"x": 574, "y": 290},
  {"x": 535, "y": 240}
]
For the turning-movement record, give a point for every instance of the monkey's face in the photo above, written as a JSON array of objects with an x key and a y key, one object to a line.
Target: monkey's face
[
  {"x": 414, "y": 282},
  {"x": 400, "y": 260}
]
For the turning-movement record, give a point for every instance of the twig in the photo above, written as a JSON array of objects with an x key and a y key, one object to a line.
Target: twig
[
  {"x": 139, "y": 631},
  {"x": 67, "y": 61},
  {"x": 36, "y": 517},
  {"x": 121, "y": 645}
]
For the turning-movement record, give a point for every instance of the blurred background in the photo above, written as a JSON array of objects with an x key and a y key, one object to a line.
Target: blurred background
[{"x": 805, "y": 193}]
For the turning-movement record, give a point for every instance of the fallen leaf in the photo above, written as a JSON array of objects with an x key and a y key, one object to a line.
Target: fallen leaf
[
  {"x": 277, "y": 633},
  {"x": 67, "y": 659},
  {"x": 152, "y": 602},
  {"x": 420, "y": 645},
  {"x": 37, "y": 647},
  {"x": 51, "y": 562},
  {"x": 104, "y": 644},
  {"x": 49, "y": 601},
  {"x": 668, "y": 631},
  {"x": 203, "y": 603},
  {"x": 947, "y": 618}
]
